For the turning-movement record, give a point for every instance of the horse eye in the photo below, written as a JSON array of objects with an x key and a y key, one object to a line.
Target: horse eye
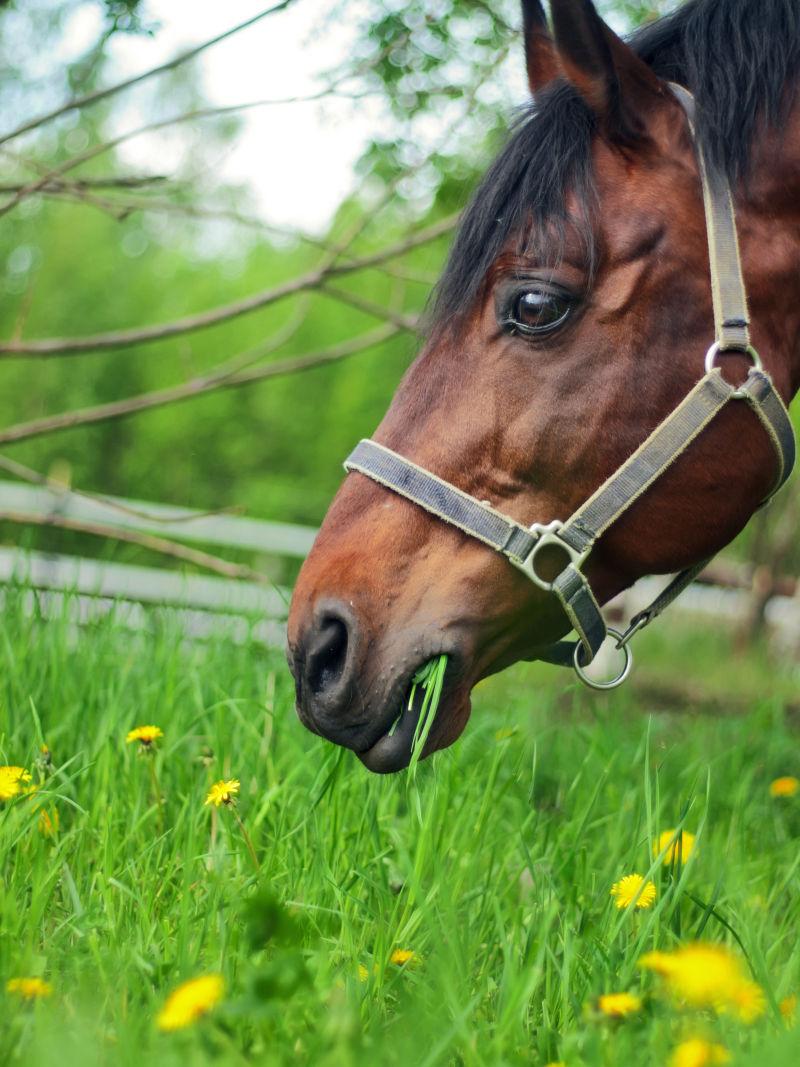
[{"x": 538, "y": 311}]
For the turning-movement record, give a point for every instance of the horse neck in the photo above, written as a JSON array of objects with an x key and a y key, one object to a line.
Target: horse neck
[{"x": 769, "y": 224}]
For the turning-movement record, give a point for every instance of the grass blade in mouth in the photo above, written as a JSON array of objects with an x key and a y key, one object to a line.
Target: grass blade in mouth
[{"x": 429, "y": 678}]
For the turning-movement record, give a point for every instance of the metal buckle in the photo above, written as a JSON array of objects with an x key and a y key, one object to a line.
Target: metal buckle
[
  {"x": 637, "y": 623},
  {"x": 715, "y": 350},
  {"x": 621, "y": 645},
  {"x": 548, "y": 534}
]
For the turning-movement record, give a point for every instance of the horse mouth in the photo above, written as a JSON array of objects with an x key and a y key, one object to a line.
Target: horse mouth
[{"x": 394, "y": 748}]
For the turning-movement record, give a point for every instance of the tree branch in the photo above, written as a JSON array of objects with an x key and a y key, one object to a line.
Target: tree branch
[
  {"x": 110, "y": 182},
  {"x": 28, "y": 474},
  {"x": 162, "y": 545},
  {"x": 219, "y": 379},
  {"x": 176, "y": 61},
  {"x": 378, "y": 311},
  {"x": 56, "y": 346}
]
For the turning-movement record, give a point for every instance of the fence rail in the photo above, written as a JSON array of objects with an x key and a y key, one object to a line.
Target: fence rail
[
  {"x": 206, "y": 605},
  {"x": 182, "y": 524}
]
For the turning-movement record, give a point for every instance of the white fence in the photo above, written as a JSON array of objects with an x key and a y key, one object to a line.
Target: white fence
[
  {"x": 202, "y": 605},
  {"x": 244, "y": 610}
]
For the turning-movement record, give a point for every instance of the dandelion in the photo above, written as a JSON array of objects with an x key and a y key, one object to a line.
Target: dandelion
[
  {"x": 701, "y": 975},
  {"x": 784, "y": 787},
  {"x": 12, "y": 781},
  {"x": 680, "y": 849},
  {"x": 788, "y": 1007},
  {"x": 618, "y": 1005},
  {"x": 363, "y": 973},
  {"x": 401, "y": 956},
  {"x": 49, "y": 822},
  {"x": 145, "y": 735},
  {"x": 699, "y": 1053},
  {"x": 190, "y": 1001},
  {"x": 633, "y": 887},
  {"x": 747, "y": 1002},
  {"x": 707, "y": 976},
  {"x": 223, "y": 792},
  {"x": 29, "y": 988}
]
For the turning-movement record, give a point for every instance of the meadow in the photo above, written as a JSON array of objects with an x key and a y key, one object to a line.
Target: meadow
[{"x": 462, "y": 914}]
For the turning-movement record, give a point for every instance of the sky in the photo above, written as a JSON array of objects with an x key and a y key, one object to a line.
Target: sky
[{"x": 297, "y": 160}]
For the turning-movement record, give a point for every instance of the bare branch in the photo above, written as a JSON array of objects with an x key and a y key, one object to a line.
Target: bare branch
[
  {"x": 162, "y": 545},
  {"x": 110, "y": 182},
  {"x": 378, "y": 311},
  {"x": 55, "y": 346},
  {"x": 176, "y": 61},
  {"x": 219, "y": 379},
  {"x": 28, "y": 474}
]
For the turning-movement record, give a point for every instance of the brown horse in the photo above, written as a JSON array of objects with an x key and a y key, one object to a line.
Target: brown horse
[{"x": 572, "y": 317}]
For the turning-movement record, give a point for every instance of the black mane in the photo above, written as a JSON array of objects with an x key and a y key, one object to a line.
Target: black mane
[{"x": 740, "y": 59}]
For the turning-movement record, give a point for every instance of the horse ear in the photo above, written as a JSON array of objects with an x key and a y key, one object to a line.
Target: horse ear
[
  {"x": 618, "y": 85},
  {"x": 541, "y": 59}
]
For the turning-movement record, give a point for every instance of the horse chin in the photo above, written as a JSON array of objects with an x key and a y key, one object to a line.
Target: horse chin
[{"x": 392, "y": 752}]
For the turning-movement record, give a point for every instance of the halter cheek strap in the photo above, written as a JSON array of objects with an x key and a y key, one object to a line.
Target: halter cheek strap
[{"x": 670, "y": 439}]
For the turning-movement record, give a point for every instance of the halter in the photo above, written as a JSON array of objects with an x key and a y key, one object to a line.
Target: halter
[{"x": 671, "y": 438}]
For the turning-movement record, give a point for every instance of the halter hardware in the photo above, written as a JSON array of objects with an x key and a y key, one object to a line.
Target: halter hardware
[
  {"x": 577, "y": 535},
  {"x": 627, "y": 663},
  {"x": 549, "y": 534},
  {"x": 716, "y": 350}
]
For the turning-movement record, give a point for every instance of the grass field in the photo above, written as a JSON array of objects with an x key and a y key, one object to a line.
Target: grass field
[{"x": 493, "y": 866}]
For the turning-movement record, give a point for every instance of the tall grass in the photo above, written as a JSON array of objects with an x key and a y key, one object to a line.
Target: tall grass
[{"x": 498, "y": 881}]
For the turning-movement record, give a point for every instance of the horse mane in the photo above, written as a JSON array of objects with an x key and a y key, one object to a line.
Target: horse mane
[{"x": 739, "y": 58}]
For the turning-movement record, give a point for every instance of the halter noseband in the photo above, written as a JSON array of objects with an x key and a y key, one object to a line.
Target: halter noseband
[{"x": 577, "y": 535}]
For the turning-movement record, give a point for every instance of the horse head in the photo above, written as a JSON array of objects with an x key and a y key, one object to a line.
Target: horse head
[{"x": 572, "y": 317}]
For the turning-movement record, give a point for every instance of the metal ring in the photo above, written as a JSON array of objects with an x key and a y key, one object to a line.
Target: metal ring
[
  {"x": 715, "y": 350},
  {"x": 580, "y": 670}
]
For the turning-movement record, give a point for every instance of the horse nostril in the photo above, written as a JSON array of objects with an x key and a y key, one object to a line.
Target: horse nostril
[{"x": 327, "y": 655}]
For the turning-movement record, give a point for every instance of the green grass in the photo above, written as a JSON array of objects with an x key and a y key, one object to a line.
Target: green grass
[{"x": 493, "y": 864}]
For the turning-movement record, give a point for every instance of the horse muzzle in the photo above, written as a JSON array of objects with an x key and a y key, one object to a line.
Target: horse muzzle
[{"x": 359, "y": 696}]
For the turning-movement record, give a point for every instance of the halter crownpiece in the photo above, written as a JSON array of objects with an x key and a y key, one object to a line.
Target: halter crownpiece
[{"x": 577, "y": 535}]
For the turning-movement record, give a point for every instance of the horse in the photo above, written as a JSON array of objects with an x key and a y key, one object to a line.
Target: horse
[{"x": 570, "y": 322}]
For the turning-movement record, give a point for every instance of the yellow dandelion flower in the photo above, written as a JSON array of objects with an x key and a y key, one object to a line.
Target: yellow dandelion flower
[
  {"x": 401, "y": 956},
  {"x": 145, "y": 735},
  {"x": 682, "y": 846},
  {"x": 788, "y": 1008},
  {"x": 29, "y": 988},
  {"x": 618, "y": 1005},
  {"x": 747, "y": 1002},
  {"x": 704, "y": 976},
  {"x": 12, "y": 780},
  {"x": 784, "y": 787},
  {"x": 223, "y": 792},
  {"x": 363, "y": 973},
  {"x": 190, "y": 1001},
  {"x": 625, "y": 890},
  {"x": 49, "y": 822},
  {"x": 699, "y": 1053}
]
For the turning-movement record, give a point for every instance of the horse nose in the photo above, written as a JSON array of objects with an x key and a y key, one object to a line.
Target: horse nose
[{"x": 324, "y": 669}]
